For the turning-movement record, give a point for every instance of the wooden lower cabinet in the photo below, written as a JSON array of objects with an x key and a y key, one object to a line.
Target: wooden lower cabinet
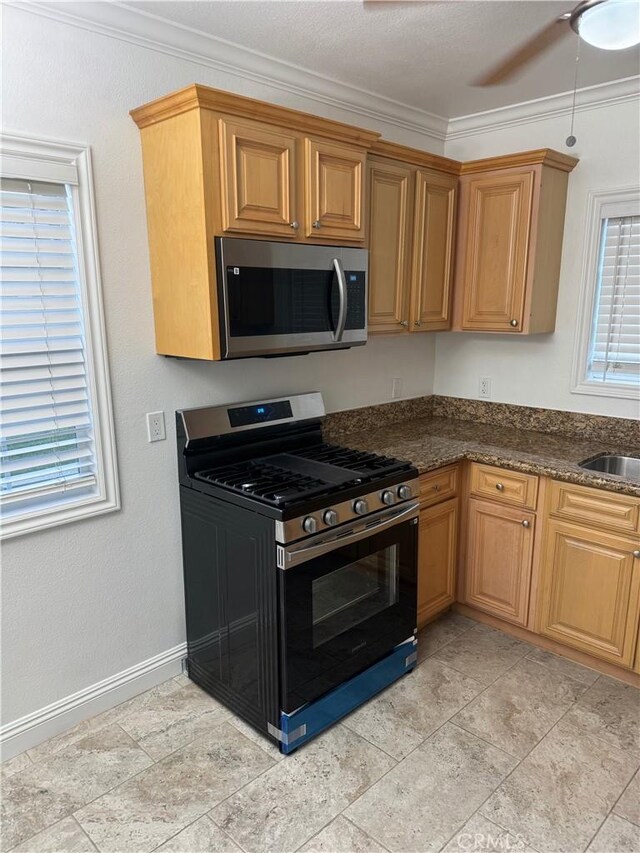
[
  {"x": 499, "y": 560},
  {"x": 437, "y": 552},
  {"x": 590, "y": 591}
]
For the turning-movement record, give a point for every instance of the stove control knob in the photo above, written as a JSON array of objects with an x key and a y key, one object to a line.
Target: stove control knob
[
  {"x": 330, "y": 517},
  {"x": 309, "y": 524},
  {"x": 387, "y": 497},
  {"x": 360, "y": 507},
  {"x": 404, "y": 492}
]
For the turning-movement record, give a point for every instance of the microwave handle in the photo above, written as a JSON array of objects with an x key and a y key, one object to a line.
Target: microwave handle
[{"x": 342, "y": 289}]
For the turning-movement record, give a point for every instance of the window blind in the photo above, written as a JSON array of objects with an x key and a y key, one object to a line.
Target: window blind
[
  {"x": 46, "y": 437},
  {"x": 614, "y": 352}
]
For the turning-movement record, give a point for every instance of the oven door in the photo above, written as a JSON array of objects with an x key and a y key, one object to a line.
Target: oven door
[
  {"x": 347, "y": 598},
  {"x": 286, "y": 298}
]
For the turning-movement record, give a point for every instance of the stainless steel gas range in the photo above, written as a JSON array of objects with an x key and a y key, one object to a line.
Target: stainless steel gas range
[{"x": 300, "y": 562}]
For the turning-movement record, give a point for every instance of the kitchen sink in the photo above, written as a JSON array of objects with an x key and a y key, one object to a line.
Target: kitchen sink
[{"x": 623, "y": 466}]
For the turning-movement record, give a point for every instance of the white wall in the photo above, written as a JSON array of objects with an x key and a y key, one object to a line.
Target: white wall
[
  {"x": 537, "y": 371},
  {"x": 87, "y": 600}
]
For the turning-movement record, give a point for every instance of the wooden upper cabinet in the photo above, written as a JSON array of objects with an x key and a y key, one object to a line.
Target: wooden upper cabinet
[
  {"x": 433, "y": 240},
  {"x": 509, "y": 243},
  {"x": 412, "y": 204},
  {"x": 590, "y": 591},
  {"x": 499, "y": 560},
  {"x": 390, "y": 206},
  {"x": 257, "y": 179},
  {"x": 334, "y": 177},
  {"x": 499, "y": 214},
  {"x": 216, "y": 163}
]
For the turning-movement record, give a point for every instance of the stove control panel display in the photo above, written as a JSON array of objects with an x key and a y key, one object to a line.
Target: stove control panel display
[{"x": 260, "y": 413}]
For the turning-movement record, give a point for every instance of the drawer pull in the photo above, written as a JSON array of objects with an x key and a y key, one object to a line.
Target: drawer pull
[
  {"x": 500, "y": 487},
  {"x": 526, "y": 523},
  {"x": 436, "y": 488},
  {"x": 636, "y": 553}
]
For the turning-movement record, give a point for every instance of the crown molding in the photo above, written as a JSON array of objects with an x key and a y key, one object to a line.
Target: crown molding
[
  {"x": 589, "y": 98},
  {"x": 541, "y": 157},
  {"x": 196, "y": 96},
  {"x": 117, "y": 20}
]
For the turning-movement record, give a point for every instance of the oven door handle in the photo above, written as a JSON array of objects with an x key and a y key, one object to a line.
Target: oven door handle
[
  {"x": 342, "y": 290},
  {"x": 289, "y": 557}
]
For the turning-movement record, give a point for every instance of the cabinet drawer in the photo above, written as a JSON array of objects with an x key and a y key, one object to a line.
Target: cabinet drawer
[
  {"x": 509, "y": 487},
  {"x": 437, "y": 486},
  {"x": 595, "y": 506}
]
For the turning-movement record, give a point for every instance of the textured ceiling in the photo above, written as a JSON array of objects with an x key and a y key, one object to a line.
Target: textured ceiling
[{"x": 419, "y": 53}]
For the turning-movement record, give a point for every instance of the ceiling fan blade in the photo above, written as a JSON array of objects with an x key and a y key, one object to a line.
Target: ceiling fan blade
[{"x": 536, "y": 45}]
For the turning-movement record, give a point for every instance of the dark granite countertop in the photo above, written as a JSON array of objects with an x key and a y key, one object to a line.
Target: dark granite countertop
[{"x": 431, "y": 442}]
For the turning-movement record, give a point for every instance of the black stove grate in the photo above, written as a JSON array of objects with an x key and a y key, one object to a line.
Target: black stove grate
[
  {"x": 269, "y": 483},
  {"x": 368, "y": 464},
  {"x": 335, "y": 468}
]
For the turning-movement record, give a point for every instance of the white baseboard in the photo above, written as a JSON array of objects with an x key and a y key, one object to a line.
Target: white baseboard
[{"x": 34, "y": 728}]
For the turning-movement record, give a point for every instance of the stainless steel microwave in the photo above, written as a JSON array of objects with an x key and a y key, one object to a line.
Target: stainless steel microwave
[{"x": 285, "y": 298}]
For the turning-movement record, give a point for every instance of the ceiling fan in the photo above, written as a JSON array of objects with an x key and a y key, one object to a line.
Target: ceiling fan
[{"x": 607, "y": 24}]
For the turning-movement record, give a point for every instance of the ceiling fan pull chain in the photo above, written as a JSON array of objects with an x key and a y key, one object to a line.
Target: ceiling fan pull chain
[{"x": 571, "y": 140}]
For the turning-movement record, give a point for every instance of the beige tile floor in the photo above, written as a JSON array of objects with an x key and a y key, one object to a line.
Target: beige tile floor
[{"x": 491, "y": 744}]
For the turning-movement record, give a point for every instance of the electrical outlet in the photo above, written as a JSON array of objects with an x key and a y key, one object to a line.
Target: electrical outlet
[
  {"x": 484, "y": 387},
  {"x": 155, "y": 426},
  {"x": 396, "y": 388}
]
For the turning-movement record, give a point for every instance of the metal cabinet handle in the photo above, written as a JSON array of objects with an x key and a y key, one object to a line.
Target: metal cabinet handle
[
  {"x": 418, "y": 323},
  {"x": 295, "y": 224},
  {"x": 526, "y": 523},
  {"x": 403, "y": 323},
  {"x": 436, "y": 488},
  {"x": 500, "y": 487},
  {"x": 636, "y": 554},
  {"x": 316, "y": 224},
  {"x": 513, "y": 323}
]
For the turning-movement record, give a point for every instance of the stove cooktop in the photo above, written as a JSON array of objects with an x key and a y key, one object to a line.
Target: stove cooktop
[{"x": 284, "y": 479}]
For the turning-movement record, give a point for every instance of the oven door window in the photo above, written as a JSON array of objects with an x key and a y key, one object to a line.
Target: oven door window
[
  {"x": 344, "y": 610},
  {"x": 353, "y": 594},
  {"x": 265, "y": 301}
]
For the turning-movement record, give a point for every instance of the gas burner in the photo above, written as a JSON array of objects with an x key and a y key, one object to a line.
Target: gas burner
[{"x": 287, "y": 478}]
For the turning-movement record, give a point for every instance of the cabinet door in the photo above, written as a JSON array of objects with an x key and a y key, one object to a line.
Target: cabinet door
[
  {"x": 437, "y": 559},
  {"x": 257, "y": 177},
  {"x": 589, "y": 591},
  {"x": 390, "y": 189},
  {"x": 333, "y": 191},
  {"x": 433, "y": 240},
  {"x": 495, "y": 229},
  {"x": 499, "y": 558}
]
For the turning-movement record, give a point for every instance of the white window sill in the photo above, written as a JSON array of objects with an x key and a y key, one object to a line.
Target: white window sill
[
  {"x": 607, "y": 389},
  {"x": 42, "y": 518}
]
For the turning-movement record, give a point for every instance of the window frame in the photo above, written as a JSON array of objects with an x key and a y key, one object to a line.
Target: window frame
[
  {"x": 32, "y": 158},
  {"x": 598, "y": 200}
]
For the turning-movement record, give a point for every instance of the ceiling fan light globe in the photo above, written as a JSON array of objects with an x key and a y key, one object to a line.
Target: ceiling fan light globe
[{"x": 612, "y": 25}]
